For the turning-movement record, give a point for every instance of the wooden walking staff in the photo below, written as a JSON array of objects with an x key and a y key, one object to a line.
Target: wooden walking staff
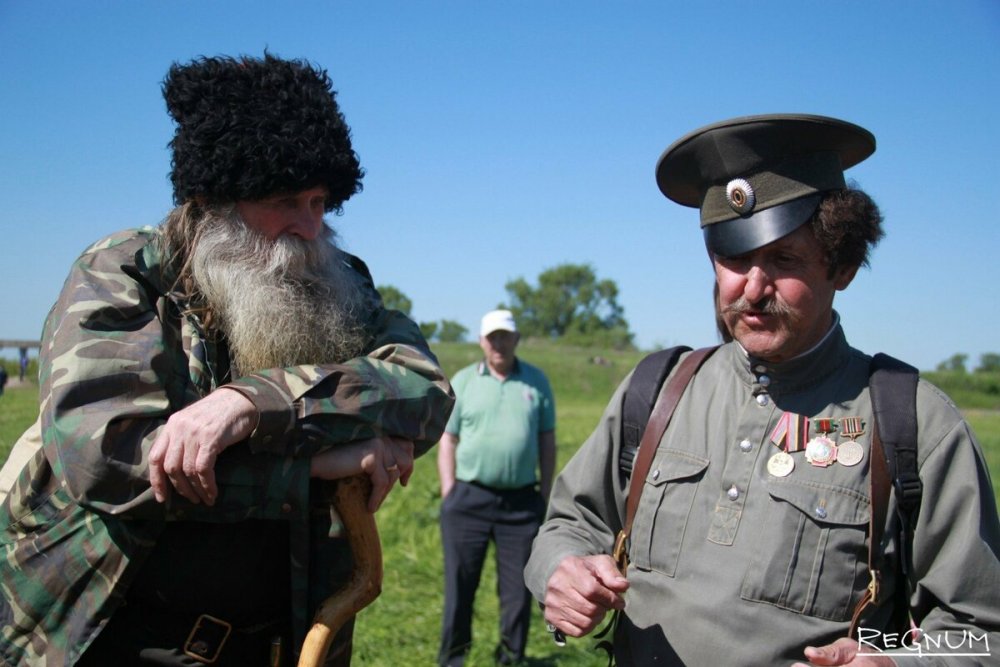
[{"x": 351, "y": 503}]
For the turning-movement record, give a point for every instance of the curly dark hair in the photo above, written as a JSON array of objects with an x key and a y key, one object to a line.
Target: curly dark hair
[
  {"x": 251, "y": 127},
  {"x": 847, "y": 224}
]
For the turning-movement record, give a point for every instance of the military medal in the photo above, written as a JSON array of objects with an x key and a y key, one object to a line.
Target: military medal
[
  {"x": 788, "y": 436},
  {"x": 781, "y": 464},
  {"x": 851, "y": 452},
  {"x": 821, "y": 451}
]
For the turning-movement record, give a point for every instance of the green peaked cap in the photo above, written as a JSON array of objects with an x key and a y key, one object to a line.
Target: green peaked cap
[{"x": 759, "y": 178}]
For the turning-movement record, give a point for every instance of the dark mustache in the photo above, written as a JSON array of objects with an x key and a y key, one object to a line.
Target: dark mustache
[{"x": 769, "y": 306}]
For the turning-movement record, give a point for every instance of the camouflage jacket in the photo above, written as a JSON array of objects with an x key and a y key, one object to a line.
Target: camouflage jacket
[{"x": 118, "y": 357}]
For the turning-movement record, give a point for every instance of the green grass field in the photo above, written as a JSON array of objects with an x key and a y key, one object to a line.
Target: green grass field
[{"x": 402, "y": 626}]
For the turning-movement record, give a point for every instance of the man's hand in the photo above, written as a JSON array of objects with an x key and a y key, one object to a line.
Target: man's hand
[
  {"x": 384, "y": 459},
  {"x": 581, "y": 591},
  {"x": 844, "y": 651},
  {"x": 184, "y": 453}
]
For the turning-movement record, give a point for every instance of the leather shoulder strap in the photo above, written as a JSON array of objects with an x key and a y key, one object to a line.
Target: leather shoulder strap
[
  {"x": 663, "y": 410},
  {"x": 643, "y": 389}
]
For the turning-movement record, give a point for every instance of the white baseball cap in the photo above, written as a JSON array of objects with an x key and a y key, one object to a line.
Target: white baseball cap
[{"x": 497, "y": 320}]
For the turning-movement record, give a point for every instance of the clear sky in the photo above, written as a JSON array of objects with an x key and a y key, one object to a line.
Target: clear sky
[{"x": 504, "y": 138}]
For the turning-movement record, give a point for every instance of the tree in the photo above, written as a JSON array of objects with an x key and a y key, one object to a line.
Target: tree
[
  {"x": 451, "y": 331},
  {"x": 570, "y": 303},
  {"x": 394, "y": 299},
  {"x": 989, "y": 362},
  {"x": 955, "y": 363},
  {"x": 428, "y": 329}
]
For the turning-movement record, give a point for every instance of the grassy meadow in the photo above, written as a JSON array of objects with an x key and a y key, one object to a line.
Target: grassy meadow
[{"x": 402, "y": 626}]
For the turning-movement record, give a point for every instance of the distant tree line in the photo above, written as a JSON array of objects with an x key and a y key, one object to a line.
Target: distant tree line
[
  {"x": 989, "y": 362},
  {"x": 444, "y": 331},
  {"x": 568, "y": 303}
]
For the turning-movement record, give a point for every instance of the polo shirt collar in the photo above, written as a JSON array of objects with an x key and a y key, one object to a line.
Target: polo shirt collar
[{"x": 483, "y": 369}]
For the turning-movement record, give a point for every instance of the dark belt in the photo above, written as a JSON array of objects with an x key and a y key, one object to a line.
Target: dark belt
[{"x": 495, "y": 489}]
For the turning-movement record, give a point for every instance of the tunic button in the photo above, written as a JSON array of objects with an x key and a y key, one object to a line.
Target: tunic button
[
  {"x": 821, "y": 512},
  {"x": 733, "y": 492},
  {"x": 762, "y": 399},
  {"x": 656, "y": 474},
  {"x": 765, "y": 380},
  {"x": 746, "y": 445},
  {"x": 759, "y": 368},
  {"x": 286, "y": 508}
]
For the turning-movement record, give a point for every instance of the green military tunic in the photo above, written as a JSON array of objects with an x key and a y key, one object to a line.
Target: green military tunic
[
  {"x": 120, "y": 354},
  {"x": 733, "y": 565}
]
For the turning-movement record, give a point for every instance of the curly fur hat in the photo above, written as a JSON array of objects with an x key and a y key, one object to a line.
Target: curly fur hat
[{"x": 248, "y": 128}]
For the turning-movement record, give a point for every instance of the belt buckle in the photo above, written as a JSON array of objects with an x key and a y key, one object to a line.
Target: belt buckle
[{"x": 208, "y": 632}]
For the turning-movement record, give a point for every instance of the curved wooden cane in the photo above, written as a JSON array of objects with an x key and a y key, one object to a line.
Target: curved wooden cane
[{"x": 351, "y": 502}]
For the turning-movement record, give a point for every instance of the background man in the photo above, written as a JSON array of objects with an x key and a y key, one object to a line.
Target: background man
[
  {"x": 734, "y": 561},
  {"x": 501, "y": 431},
  {"x": 199, "y": 381}
]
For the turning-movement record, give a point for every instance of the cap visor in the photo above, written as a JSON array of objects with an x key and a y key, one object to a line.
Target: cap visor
[{"x": 739, "y": 236}]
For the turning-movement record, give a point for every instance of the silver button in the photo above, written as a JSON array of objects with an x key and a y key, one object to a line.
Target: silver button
[
  {"x": 733, "y": 492},
  {"x": 765, "y": 380},
  {"x": 821, "y": 512},
  {"x": 656, "y": 474},
  {"x": 760, "y": 369},
  {"x": 762, "y": 399},
  {"x": 746, "y": 445}
]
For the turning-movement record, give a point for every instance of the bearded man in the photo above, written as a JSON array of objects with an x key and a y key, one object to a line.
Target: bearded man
[{"x": 200, "y": 382}]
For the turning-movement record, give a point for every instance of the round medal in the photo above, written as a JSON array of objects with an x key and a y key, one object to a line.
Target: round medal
[
  {"x": 821, "y": 451},
  {"x": 781, "y": 464},
  {"x": 850, "y": 453}
]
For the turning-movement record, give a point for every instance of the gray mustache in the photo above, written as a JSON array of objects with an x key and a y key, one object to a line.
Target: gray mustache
[{"x": 769, "y": 306}]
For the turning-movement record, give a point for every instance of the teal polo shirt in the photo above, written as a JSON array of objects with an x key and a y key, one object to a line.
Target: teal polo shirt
[{"x": 497, "y": 424}]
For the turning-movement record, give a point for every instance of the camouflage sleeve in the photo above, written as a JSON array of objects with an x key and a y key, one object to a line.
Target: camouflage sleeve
[
  {"x": 106, "y": 376},
  {"x": 397, "y": 388}
]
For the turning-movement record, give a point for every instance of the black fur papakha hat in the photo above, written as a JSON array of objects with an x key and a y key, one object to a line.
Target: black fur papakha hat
[
  {"x": 759, "y": 178},
  {"x": 248, "y": 128}
]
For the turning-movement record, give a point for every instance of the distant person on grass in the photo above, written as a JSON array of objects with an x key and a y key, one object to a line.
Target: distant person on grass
[
  {"x": 496, "y": 460},
  {"x": 3, "y": 378},
  {"x": 22, "y": 362},
  {"x": 200, "y": 382},
  {"x": 751, "y": 524}
]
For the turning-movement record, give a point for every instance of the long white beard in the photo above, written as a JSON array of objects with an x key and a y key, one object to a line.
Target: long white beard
[{"x": 282, "y": 302}]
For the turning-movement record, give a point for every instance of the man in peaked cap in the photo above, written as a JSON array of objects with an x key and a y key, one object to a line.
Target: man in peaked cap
[
  {"x": 749, "y": 535},
  {"x": 200, "y": 382}
]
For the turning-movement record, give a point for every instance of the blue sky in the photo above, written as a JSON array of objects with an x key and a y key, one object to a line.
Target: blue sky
[{"x": 504, "y": 138}]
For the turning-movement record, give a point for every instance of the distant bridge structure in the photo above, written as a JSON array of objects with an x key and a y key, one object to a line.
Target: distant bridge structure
[{"x": 19, "y": 343}]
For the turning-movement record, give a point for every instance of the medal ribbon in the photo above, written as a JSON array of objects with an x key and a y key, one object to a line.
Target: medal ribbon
[
  {"x": 791, "y": 432},
  {"x": 851, "y": 427}
]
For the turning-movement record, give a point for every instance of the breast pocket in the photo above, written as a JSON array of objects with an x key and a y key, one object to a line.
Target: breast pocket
[
  {"x": 664, "y": 507},
  {"x": 811, "y": 554}
]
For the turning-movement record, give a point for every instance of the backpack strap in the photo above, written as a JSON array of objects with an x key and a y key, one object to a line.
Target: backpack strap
[
  {"x": 669, "y": 395},
  {"x": 893, "y": 388},
  {"x": 643, "y": 388},
  {"x": 893, "y": 392}
]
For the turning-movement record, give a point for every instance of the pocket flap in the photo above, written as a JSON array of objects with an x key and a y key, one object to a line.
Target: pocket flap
[
  {"x": 670, "y": 465},
  {"x": 823, "y": 503}
]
